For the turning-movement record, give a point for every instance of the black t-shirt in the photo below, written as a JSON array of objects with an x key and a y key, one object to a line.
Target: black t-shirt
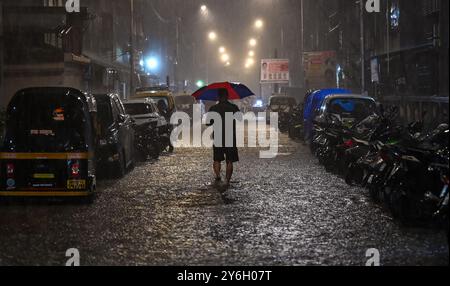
[{"x": 223, "y": 108}]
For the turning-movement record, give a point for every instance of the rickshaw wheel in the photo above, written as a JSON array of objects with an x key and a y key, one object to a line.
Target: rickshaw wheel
[{"x": 89, "y": 199}]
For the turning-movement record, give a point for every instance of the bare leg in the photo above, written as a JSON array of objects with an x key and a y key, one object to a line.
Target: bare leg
[
  {"x": 217, "y": 167},
  {"x": 229, "y": 171}
]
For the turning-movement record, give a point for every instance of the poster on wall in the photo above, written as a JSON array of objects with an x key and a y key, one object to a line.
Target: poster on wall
[
  {"x": 320, "y": 69},
  {"x": 275, "y": 71}
]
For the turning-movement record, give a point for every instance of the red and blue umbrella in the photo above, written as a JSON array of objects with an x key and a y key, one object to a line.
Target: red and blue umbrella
[{"x": 236, "y": 91}]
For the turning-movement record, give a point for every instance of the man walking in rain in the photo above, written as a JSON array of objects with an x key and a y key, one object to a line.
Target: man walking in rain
[{"x": 225, "y": 153}]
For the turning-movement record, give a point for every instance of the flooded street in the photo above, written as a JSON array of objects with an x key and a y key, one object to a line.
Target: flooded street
[{"x": 283, "y": 211}]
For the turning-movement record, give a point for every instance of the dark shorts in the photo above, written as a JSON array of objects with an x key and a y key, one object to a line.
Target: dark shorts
[{"x": 229, "y": 154}]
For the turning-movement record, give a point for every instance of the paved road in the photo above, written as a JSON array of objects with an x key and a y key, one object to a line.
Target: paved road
[{"x": 284, "y": 211}]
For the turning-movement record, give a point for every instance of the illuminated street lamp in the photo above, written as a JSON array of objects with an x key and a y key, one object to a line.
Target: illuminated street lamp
[
  {"x": 222, "y": 50},
  {"x": 259, "y": 24},
  {"x": 225, "y": 58},
  {"x": 212, "y": 36},
  {"x": 152, "y": 63},
  {"x": 249, "y": 63},
  {"x": 253, "y": 42},
  {"x": 200, "y": 83},
  {"x": 251, "y": 54},
  {"x": 203, "y": 9}
]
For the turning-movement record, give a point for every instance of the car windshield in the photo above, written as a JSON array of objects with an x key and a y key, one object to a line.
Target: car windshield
[
  {"x": 47, "y": 123},
  {"x": 104, "y": 115},
  {"x": 138, "y": 108},
  {"x": 352, "y": 107}
]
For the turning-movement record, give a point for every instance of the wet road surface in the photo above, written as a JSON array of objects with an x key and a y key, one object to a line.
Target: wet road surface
[{"x": 282, "y": 211}]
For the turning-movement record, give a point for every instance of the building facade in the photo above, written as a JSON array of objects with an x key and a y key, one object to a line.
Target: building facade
[
  {"x": 407, "y": 57},
  {"x": 405, "y": 51},
  {"x": 44, "y": 45}
]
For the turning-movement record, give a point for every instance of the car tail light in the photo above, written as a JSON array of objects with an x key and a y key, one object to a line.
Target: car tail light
[
  {"x": 349, "y": 143},
  {"x": 10, "y": 170}
]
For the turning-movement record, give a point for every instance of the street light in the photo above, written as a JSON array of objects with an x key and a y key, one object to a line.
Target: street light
[
  {"x": 222, "y": 50},
  {"x": 251, "y": 54},
  {"x": 259, "y": 24},
  {"x": 212, "y": 36},
  {"x": 225, "y": 58},
  {"x": 152, "y": 63},
  {"x": 204, "y": 9},
  {"x": 253, "y": 42},
  {"x": 200, "y": 83},
  {"x": 249, "y": 63}
]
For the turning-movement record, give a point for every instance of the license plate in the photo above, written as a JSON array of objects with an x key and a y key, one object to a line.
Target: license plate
[{"x": 76, "y": 184}]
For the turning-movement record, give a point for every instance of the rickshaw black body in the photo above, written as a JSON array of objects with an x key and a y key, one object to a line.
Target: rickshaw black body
[{"x": 49, "y": 144}]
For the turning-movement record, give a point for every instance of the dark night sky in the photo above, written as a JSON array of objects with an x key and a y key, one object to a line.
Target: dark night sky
[{"x": 233, "y": 22}]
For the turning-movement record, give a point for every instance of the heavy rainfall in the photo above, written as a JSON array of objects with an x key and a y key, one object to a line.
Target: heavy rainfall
[{"x": 345, "y": 102}]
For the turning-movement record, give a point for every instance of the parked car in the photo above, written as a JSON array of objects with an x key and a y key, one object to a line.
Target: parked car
[
  {"x": 284, "y": 105},
  {"x": 313, "y": 102},
  {"x": 147, "y": 124},
  {"x": 49, "y": 144},
  {"x": 165, "y": 102},
  {"x": 162, "y": 97},
  {"x": 348, "y": 108},
  {"x": 116, "y": 135}
]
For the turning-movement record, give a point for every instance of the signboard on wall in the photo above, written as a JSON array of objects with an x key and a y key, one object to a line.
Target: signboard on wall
[
  {"x": 275, "y": 71},
  {"x": 374, "y": 70},
  {"x": 320, "y": 69}
]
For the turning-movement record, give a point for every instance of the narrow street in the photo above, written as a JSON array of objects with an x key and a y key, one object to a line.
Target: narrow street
[{"x": 285, "y": 211}]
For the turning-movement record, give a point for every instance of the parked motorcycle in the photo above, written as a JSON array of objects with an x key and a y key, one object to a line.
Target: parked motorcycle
[
  {"x": 296, "y": 123},
  {"x": 401, "y": 166},
  {"x": 441, "y": 202},
  {"x": 147, "y": 141},
  {"x": 415, "y": 178}
]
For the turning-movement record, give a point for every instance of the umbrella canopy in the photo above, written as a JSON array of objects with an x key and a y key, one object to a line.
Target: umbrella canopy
[{"x": 236, "y": 91}]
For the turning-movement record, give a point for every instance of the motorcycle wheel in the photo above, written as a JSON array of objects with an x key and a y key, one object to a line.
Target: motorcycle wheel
[
  {"x": 398, "y": 205},
  {"x": 156, "y": 149},
  {"x": 354, "y": 176},
  {"x": 156, "y": 152}
]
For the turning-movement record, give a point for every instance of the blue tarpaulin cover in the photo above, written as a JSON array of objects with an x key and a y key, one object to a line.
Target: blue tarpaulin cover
[{"x": 313, "y": 103}]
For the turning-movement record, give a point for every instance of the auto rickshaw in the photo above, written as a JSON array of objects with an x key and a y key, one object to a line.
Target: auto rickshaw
[{"x": 49, "y": 143}]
